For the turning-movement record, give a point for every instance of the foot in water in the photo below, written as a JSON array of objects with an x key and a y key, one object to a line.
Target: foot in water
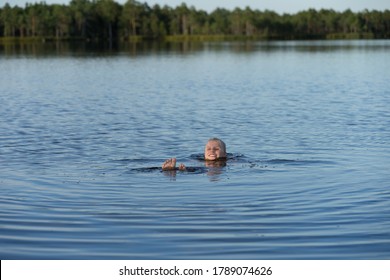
[{"x": 170, "y": 164}]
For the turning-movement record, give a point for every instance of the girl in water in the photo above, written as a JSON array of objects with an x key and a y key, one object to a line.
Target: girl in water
[{"x": 214, "y": 150}]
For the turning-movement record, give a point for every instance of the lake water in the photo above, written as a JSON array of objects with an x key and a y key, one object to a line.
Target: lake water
[{"x": 83, "y": 131}]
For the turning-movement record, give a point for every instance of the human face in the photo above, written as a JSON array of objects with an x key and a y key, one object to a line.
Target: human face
[{"x": 213, "y": 151}]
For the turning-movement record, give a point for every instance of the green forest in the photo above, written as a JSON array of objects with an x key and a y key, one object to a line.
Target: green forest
[{"x": 109, "y": 20}]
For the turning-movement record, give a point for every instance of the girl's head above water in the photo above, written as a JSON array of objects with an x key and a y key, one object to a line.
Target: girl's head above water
[{"x": 215, "y": 149}]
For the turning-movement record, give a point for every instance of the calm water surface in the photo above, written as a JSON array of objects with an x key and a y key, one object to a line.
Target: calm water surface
[{"x": 307, "y": 124}]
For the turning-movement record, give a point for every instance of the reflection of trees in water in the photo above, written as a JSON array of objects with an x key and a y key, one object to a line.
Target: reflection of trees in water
[{"x": 42, "y": 48}]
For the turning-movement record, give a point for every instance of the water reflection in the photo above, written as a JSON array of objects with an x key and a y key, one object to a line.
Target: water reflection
[
  {"x": 79, "y": 49},
  {"x": 213, "y": 169},
  {"x": 50, "y": 49}
]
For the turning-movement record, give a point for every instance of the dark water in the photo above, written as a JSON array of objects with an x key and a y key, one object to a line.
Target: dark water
[{"x": 84, "y": 132}]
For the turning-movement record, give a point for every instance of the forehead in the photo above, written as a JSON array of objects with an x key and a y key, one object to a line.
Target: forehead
[{"x": 213, "y": 143}]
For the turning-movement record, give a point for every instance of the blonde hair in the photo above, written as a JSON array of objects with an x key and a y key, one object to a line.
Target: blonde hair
[{"x": 223, "y": 145}]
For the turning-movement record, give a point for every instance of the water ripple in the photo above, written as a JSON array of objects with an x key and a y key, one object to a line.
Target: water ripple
[{"x": 82, "y": 140}]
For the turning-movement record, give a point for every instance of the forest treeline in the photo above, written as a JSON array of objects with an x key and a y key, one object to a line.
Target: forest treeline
[{"x": 107, "y": 19}]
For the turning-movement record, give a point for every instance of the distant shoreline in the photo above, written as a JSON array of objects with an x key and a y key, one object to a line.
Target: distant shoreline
[{"x": 100, "y": 21}]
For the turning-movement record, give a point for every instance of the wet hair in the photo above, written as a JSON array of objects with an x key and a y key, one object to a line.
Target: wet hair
[{"x": 223, "y": 145}]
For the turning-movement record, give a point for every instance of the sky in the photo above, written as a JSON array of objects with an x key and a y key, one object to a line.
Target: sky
[{"x": 279, "y": 6}]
